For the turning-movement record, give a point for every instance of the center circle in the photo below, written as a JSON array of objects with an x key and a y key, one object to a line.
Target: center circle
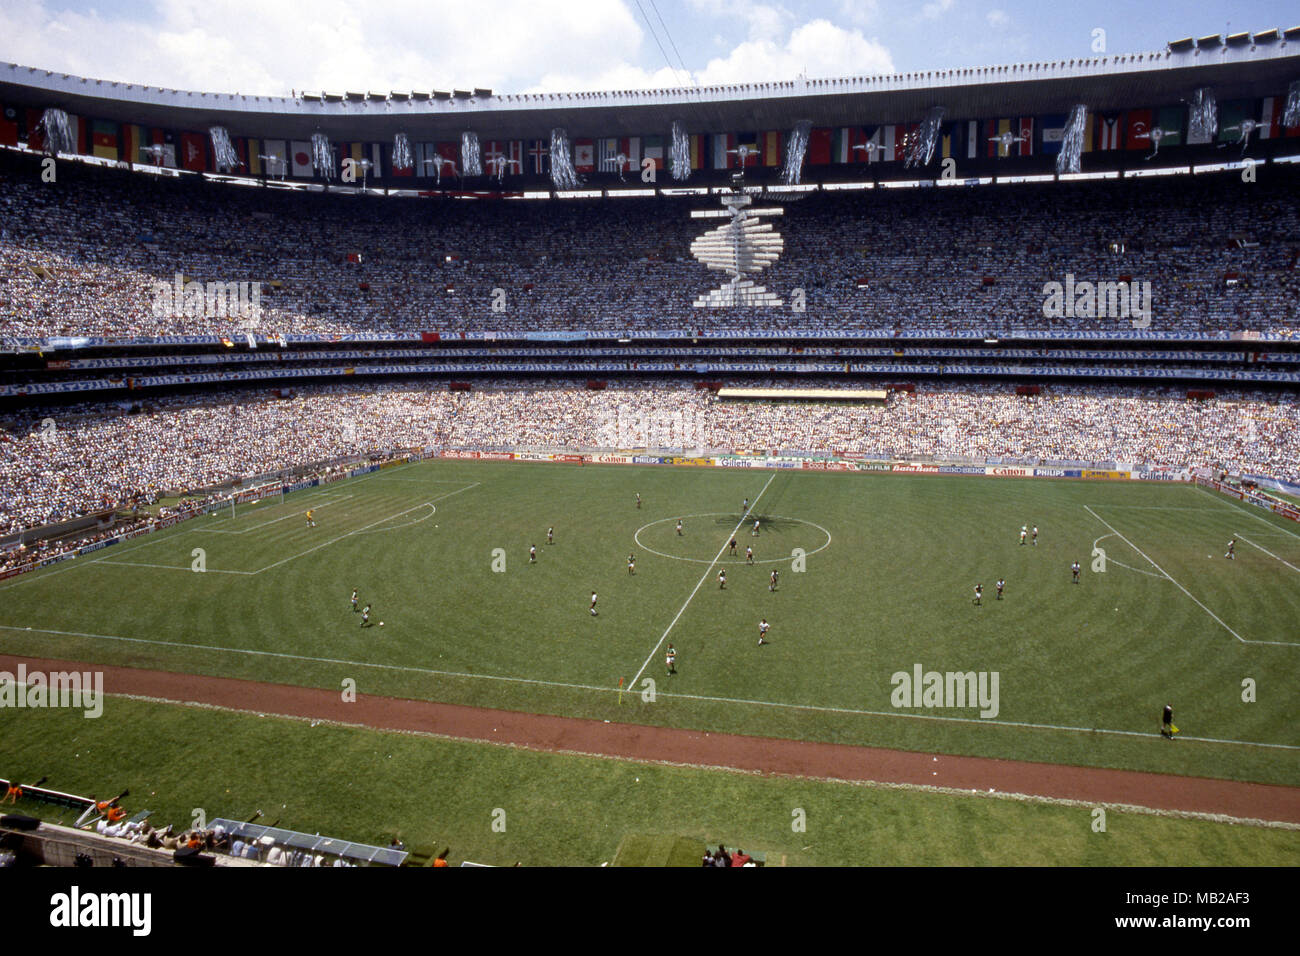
[{"x": 723, "y": 514}]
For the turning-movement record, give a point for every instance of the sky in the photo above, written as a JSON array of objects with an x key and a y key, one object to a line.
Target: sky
[{"x": 267, "y": 47}]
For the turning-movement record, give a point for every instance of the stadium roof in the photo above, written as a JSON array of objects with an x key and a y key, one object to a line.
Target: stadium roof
[{"x": 1238, "y": 66}]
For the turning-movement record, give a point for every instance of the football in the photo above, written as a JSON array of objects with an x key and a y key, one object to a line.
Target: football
[{"x": 381, "y": 623}]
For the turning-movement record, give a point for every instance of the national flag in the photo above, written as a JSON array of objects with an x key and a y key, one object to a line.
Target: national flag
[
  {"x": 278, "y": 164},
  {"x": 133, "y": 138},
  {"x": 539, "y": 158},
  {"x": 9, "y": 127},
  {"x": 80, "y": 134},
  {"x": 630, "y": 147},
  {"x": 194, "y": 153},
  {"x": 300, "y": 158},
  {"x": 952, "y": 140},
  {"x": 35, "y": 134},
  {"x": 654, "y": 149},
  {"x": 254, "y": 157},
  {"x": 749, "y": 140},
  {"x": 515, "y": 152},
  {"x": 103, "y": 139},
  {"x": 992, "y": 147},
  {"x": 721, "y": 158},
  {"x": 972, "y": 138},
  {"x": 819, "y": 146},
  {"x": 1052, "y": 133},
  {"x": 1026, "y": 134},
  {"x": 1270, "y": 117},
  {"x": 841, "y": 145},
  {"x": 450, "y": 151},
  {"x": 1231, "y": 115},
  {"x": 584, "y": 155},
  {"x": 1137, "y": 133},
  {"x": 1109, "y": 128},
  {"x": 769, "y": 146},
  {"x": 606, "y": 154},
  {"x": 699, "y": 150},
  {"x": 1169, "y": 119}
]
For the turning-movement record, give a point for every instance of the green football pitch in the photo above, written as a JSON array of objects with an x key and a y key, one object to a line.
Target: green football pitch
[{"x": 876, "y": 578}]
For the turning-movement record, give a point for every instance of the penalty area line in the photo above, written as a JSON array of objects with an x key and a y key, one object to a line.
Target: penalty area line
[{"x": 1194, "y": 598}]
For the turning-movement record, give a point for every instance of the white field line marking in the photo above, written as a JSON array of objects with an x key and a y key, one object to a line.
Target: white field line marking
[
  {"x": 1127, "y": 567},
  {"x": 405, "y": 524},
  {"x": 1266, "y": 551},
  {"x": 171, "y": 567},
  {"x": 366, "y": 527},
  {"x": 335, "y": 499},
  {"x": 1154, "y": 507},
  {"x": 1183, "y": 589},
  {"x": 156, "y": 537},
  {"x": 699, "y": 584},
  {"x": 1247, "y": 509},
  {"x": 871, "y": 784},
  {"x": 406, "y": 668}
]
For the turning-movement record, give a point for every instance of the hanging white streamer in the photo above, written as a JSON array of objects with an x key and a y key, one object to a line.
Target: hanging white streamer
[
  {"x": 1291, "y": 113},
  {"x": 921, "y": 149},
  {"x": 58, "y": 133},
  {"x": 563, "y": 175},
  {"x": 322, "y": 156},
  {"x": 679, "y": 157},
  {"x": 402, "y": 158},
  {"x": 1068, "y": 159},
  {"x": 796, "y": 147},
  {"x": 471, "y": 159},
  {"x": 222, "y": 150},
  {"x": 1203, "y": 118}
]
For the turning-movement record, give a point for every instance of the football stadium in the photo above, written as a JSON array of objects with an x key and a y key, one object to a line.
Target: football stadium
[{"x": 895, "y": 468}]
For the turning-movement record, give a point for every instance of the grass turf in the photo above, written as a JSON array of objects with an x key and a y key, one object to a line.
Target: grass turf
[
  {"x": 1084, "y": 669},
  {"x": 368, "y": 785}
]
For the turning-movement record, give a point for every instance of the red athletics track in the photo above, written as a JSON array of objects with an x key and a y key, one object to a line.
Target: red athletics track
[{"x": 799, "y": 758}]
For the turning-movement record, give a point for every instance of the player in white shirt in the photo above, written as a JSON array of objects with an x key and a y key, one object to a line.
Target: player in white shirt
[
  {"x": 670, "y": 659},
  {"x": 979, "y": 594},
  {"x": 772, "y": 583},
  {"x": 532, "y": 554},
  {"x": 1074, "y": 569},
  {"x": 679, "y": 526},
  {"x": 1024, "y": 531},
  {"x": 749, "y": 555},
  {"x": 1232, "y": 550},
  {"x": 550, "y": 536},
  {"x": 722, "y": 579},
  {"x": 762, "y": 631},
  {"x": 755, "y": 531},
  {"x": 593, "y": 603},
  {"x": 631, "y": 564},
  {"x": 1035, "y": 535}
]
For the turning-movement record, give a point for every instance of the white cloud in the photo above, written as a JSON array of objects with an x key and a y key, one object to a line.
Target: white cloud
[
  {"x": 933, "y": 11},
  {"x": 819, "y": 48},
  {"x": 256, "y": 47},
  {"x": 998, "y": 18}
]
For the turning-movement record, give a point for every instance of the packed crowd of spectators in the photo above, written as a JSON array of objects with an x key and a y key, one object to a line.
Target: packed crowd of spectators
[
  {"x": 82, "y": 256},
  {"x": 100, "y": 457}
]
